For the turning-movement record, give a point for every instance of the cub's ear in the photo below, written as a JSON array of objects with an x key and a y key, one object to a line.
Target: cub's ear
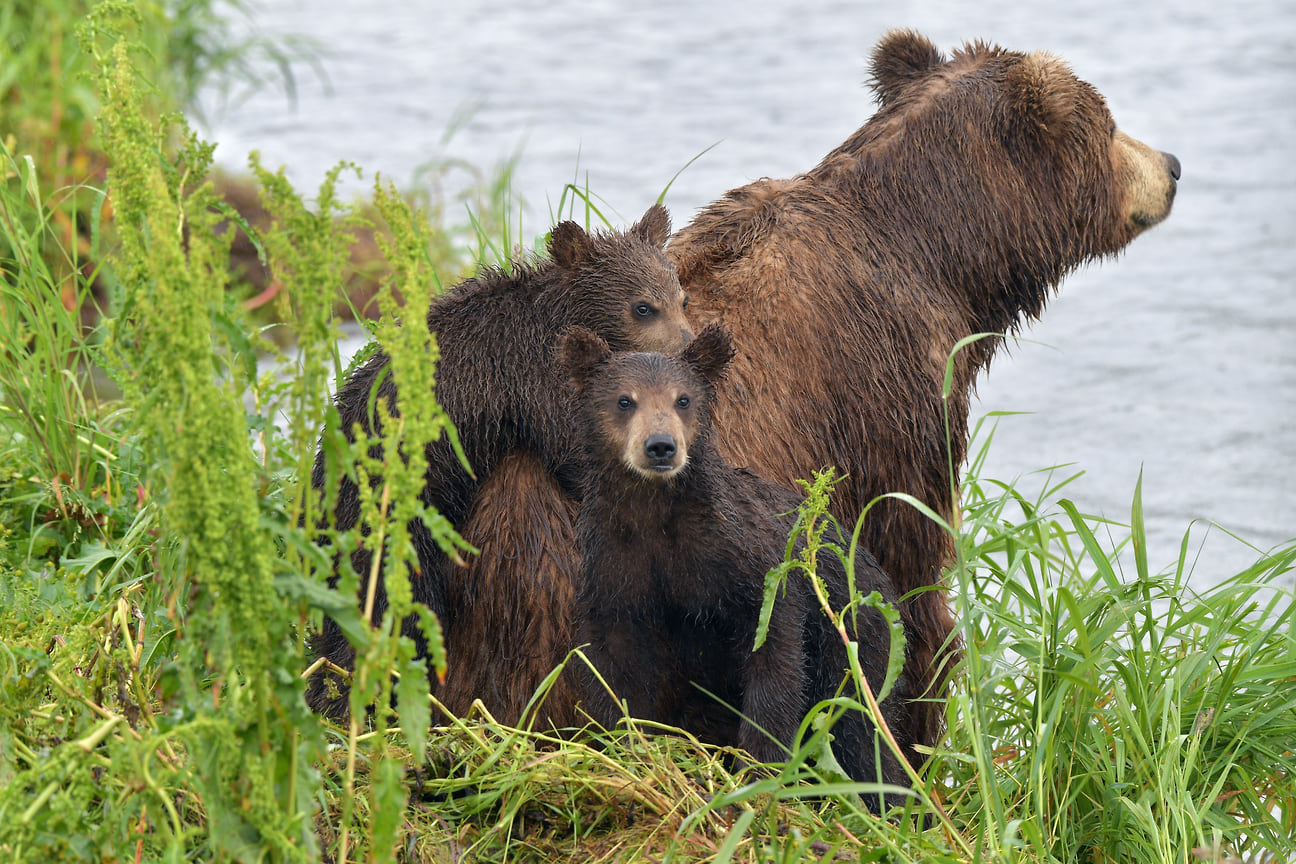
[
  {"x": 569, "y": 245},
  {"x": 709, "y": 353},
  {"x": 1042, "y": 94},
  {"x": 654, "y": 226},
  {"x": 580, "y": 351},
  {"x": 902, "y": 57}
]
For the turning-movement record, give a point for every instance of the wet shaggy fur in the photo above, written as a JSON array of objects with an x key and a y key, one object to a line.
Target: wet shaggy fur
[
  {"x": 676, "y": 546},
  {"x": 981, "y": 181},
  {"x": 506, "y": 615}
]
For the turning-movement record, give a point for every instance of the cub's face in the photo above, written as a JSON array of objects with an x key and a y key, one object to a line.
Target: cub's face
[
  {"x": 622, "y": 286},
  {"x": 654, "y": 320},
  {"x": 645, "y": 412},
  {"x": 631, "y": 296},
  {"x": 648, "y": 410}
]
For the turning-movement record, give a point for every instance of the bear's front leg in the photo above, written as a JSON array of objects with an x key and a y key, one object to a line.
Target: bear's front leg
[
  {"x": 632, "y": 659},
  {"x": 774, "y": 685}
]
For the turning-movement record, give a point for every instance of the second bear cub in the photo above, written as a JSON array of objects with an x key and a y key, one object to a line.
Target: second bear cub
[{"x": 676, "y": 547}]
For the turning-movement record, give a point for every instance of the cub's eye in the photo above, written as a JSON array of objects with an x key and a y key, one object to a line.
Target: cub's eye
[
  {"x": 682, "y": 402},
  {"x": 625, "y": 403},
  {"x": 643, "y": 310},
  {"x": 1111, "y": 131},
  {"x": 684, "y": 305}
]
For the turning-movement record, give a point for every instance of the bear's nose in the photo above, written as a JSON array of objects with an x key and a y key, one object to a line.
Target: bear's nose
[
  {"x": 659, "y": 447},
  {"x": 1172, "y": 163}
]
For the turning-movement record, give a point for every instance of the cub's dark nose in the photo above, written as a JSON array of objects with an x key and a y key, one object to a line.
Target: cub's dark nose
[
  {"x": 659, "y": 447},
  {"x": 1172, "y": 163}
]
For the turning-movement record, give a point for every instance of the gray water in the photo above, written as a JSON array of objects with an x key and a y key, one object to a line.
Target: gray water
[{"x": 1177, "y": 359}]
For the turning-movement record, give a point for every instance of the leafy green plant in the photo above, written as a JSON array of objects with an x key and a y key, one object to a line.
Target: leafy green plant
[{"x": 177, "y": 652}]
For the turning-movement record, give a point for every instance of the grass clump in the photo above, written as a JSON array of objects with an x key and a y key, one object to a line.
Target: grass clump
[{"x": 1113, "y": 715}]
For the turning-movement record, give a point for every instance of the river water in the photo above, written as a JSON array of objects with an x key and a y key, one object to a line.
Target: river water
[{"x": 1178, "y": 359}]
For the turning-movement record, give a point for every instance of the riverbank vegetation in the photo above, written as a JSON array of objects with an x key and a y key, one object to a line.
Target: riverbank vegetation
[{"x": 156, "y": 590}]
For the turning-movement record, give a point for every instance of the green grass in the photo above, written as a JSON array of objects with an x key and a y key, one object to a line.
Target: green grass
[
  {"x": 1119, "y": 716},
  {"x": 155, "y": 592}
]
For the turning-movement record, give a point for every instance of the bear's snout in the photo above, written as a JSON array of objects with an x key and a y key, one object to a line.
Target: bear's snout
[
  {"x": 660, "y": 450},
  {"x": 1149, "y": 178}
]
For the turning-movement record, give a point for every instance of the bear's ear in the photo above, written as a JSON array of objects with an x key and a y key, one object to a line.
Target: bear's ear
[
  {"x": 569, "y": 245},
  {"x": 709, "y": 353},
  {"x": 902, "y": 57},
  {"x": 580, "y": 350},
  {"x": 1043, "y": 94},
  {"x": 654, "y": 227}
]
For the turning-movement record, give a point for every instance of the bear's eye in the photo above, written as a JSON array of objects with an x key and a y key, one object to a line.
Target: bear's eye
[
  {"x": 682, "y": 402},
  {"x": 684, "y": 304},
  {"x": 643, "y": 310},
  {"x": 625, "y": 403}
]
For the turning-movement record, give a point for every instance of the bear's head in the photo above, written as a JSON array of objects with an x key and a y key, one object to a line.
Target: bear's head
[
  {"x": 1020, "y": 130},
  {"x": 646, "y": 411},
  {"x": 622, "y": 286}
]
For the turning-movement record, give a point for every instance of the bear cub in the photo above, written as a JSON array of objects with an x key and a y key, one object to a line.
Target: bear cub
[
  {"x": 676, "y": 547},
  {"x": 511, "y": 406}
]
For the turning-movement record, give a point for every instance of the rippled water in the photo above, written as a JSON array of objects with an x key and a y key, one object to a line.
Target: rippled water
[{"x": 1178, "y": 359}]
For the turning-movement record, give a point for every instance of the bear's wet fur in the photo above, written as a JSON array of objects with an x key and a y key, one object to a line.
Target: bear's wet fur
[
  {"x": 676, "y": 547},
  {"x": 513, "y": 410},
  {"x": 981, "y": 180}
]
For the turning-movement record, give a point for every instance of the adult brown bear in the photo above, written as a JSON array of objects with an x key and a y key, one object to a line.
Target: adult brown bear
[
  {"x": 958, "y": 207},
  {"x": 505, "y": 616},
  {"x": 676, "y": 548}
]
